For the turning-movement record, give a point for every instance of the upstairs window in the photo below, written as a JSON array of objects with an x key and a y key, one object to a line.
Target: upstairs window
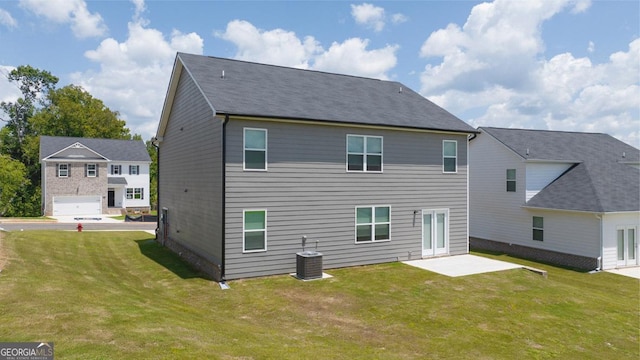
[
  {"x": 116, "y": 170},
  {"x": 449, "y": 156},
  {"x": 538, "y": 228},
  {"x": 364, "y": 153},
  {"x": 511, "y": 180},
  {"x": 63, "y": 170},
  {"x": 134, "y": 169},
  {"x": 91, "y": 170},
  {"x": 255, "y": 149}
]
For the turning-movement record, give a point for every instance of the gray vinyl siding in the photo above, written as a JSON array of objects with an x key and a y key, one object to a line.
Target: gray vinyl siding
[
  {"x": 308, "y": 191},
  {"x": 190, "y": 173}
]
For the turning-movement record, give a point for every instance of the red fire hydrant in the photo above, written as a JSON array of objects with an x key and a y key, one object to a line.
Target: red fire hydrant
[{"x": 79, "y": 227}]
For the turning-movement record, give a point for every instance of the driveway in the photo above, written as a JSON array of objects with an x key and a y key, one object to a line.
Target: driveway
[
  {"x": 70, "y": 223},
  {"x": 462, "y": 265}
]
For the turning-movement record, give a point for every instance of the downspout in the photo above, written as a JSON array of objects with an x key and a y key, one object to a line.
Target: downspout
[
  {"x": 154, "y": 142},
  {"x": 600, "y": 258},
  {"x": 469, "y": 138},
  {"x": 224, "y": 195}
]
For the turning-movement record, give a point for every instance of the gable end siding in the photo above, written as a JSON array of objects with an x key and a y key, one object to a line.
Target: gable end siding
[{"x": 190, "y": 174}]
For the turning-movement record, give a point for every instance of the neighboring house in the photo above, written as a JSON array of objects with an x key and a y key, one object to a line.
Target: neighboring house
[
  {"x": 563, "y": 197},
  {"x": 253, "y": 157},
  {"x": 82, "y": 176}
]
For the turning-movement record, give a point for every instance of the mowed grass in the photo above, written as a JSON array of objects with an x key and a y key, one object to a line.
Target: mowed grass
[{"x": 119, "y": 295}]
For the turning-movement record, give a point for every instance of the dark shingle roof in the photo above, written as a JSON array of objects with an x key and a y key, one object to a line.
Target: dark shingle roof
[
  {"x": 599, "y": 180},
  {"x": 115, "y": 150},
  {"x": 116, "y": 181},
  {"x": 280, "y": 92}
]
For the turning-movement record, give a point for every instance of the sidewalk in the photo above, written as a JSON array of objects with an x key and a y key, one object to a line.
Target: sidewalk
[{"x": 86, "y": 219}]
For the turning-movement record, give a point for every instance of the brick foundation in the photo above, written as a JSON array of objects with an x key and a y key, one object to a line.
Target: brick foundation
[{"x": 541, "y": 255}]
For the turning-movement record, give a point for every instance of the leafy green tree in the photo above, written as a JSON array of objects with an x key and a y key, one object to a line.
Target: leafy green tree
[
  {"x": 12, "y": 180},
  {"x": 72, "y": 111},
  {"x": 33, "y": 83}
]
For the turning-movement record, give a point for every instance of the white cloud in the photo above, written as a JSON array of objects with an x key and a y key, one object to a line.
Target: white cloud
[
  {"x": 83, "y": 23},
  {"x": 285, "y": 48},
  {"x": 399, "y": 18},
  {"x": 8, "y": 91},
  {"x": 369, "y": 15},
  {"x": 134, "y": 74},
  {"x": 591, "y": 47},
  {"x": 278, "y": 47},
  {"x": 493, "y": 67},
  {"x": 374, "y": 17},
  {"x": 7, "y": 20},
  {"x": 352, "y": 57}
]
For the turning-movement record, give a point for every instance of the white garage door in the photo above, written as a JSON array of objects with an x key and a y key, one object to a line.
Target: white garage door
[{"x": 77, "y": 205}]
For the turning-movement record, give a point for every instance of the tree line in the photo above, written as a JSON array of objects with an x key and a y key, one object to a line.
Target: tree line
[{"x": 44, "y": 109}]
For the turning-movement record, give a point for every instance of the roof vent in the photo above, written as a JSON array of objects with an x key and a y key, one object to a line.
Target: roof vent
[
  {"x": 400, "y": 90},
  {"x": 527, "y": 151},
  {"x": 624, "y": 154},
  {"x": 222, "y": 76}
]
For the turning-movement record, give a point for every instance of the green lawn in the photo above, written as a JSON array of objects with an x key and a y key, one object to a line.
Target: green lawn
[{"x": 118, "y": 295}]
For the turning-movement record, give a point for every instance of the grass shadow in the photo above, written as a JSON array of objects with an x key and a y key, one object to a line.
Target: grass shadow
[
  {"x": 528, "y": 259},
  {"x": 168, "y": 259}
]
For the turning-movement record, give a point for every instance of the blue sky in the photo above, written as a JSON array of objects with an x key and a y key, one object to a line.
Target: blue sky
[{"x": 545, "y": 64}]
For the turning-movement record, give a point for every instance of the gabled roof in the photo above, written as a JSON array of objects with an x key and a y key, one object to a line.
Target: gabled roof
[
  {"x": 111, "y": 149},
  {"x": 250, "y": 89},
  {"x": 600, "y": 179}
]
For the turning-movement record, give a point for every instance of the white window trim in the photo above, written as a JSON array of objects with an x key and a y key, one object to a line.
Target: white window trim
[
  {"x": 133, "y": 193},
  {"x": 245, "y": 251},
  {"x": 58, "y": 170},
  {"x": 244, "y": 149},
  {"x": 373, "y": 224},
  {"x": 449, "y": 157},
  {"x": 365, "y": 154},
  {"x": 95, "y": 170},
  {"x": 434, "y": 213}
]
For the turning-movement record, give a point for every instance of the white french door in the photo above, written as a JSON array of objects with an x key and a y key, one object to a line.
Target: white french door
[
  {"x": 435, "y": 232},
  {"x": 627, "y": 246}
]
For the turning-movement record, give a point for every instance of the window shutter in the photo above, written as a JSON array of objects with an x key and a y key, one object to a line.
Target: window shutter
[
  {"x": 86, "y": 170},
  {"x": 97, "y": 167},
  {"x": 68, "y": 170},
  {"x": 57, "y": 170}
]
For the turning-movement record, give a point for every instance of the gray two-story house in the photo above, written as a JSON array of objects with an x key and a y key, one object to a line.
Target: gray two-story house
[{"x": 253, "y": 157}]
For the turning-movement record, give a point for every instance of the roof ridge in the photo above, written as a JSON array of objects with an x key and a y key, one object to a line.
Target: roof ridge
[
  {"x": 544, "y": 130},
  {"x": 291, "y": 68}
]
